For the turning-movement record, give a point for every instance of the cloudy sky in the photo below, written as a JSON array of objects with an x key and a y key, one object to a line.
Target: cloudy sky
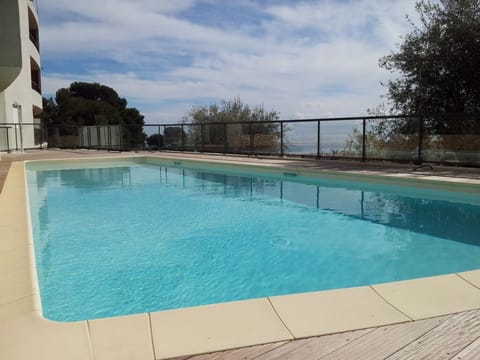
[{"x": 304, "y": 59}]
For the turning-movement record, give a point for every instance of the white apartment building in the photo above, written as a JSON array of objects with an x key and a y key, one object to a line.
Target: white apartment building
[{"x": 20, "y": 79}]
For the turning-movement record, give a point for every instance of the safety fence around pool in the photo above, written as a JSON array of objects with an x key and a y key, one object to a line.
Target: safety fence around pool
[
  {"x": 18, "y": 137},
  {"x": 453, "y": 139}
]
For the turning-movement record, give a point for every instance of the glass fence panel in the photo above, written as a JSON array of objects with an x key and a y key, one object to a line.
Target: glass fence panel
[
  {"x": 93, "y": 135},
  {"x": 238, "y": 138},
  {"x": 14, "y": 137},
  {"x": 192, "y": 137},
  {"x": 84, "y": 137},
  {"x": 214, "y": 138},
  {"x": 115, "y": 137},
  {"x": 103, "y": 137},
  {"x": 63, "y": 137},
  {"x": 300, "y": 138},
  {"x": 341, "y": 139},
  {"x": 452, "y": 139},
  {"x": 266, "y": 138},
  {"x": 392, "y": 139},
  {"x": 133, "y": 137},
  {"x": 153, "y": 137},
  {"x": 37, "y": 134},
  {"x": 4, "y": 139},
  {"x": 173, "y": 137}
]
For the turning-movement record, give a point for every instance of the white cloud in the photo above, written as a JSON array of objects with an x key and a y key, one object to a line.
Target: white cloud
[
  {"x": 309, "y": 59},
  {"x": 337, "y": 17}
]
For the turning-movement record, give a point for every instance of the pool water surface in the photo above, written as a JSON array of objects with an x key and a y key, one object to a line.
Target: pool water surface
[{"x": 139, "y": 238}]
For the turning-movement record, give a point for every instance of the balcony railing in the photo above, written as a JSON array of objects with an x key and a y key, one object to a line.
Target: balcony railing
[
  {"x": 34, "y": 39},
  {"x": 36, "y": 87},
  {"x": 34, "y": 3},
  {"x": 35, "y": 75}
]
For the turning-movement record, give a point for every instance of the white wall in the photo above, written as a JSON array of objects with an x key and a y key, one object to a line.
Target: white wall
[{"x": 20, "y": 91}]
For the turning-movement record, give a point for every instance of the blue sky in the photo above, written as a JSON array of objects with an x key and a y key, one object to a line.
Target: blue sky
[{"x": 302, "y": 58}]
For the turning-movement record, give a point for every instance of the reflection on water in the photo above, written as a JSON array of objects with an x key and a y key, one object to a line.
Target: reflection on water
[
  {"x": 85, "y": 179},
  {"x": 445, "y": 219},
  {"x": 440, "y": 218}
]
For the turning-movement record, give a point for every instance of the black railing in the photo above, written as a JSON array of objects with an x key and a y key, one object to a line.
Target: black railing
[
  {"x": 36, "y": 86},
  {"x": 452, "y": 139},
  {"x": 33, "y": 34},
  {"x": 14, "y": 137}
]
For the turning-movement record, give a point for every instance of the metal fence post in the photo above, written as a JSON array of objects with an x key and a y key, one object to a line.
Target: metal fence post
[
  {"x": 109, "y": 137},
  {"x": 364, "y": 141},
  {"x": 120, "y": 131},
  {"x": 281, "y": 139},
  {"x": 182, "y": 136},
  {"x": 16, "y": 140},
  {"x": 8, "y": 140},
  {"x": 318, "y": 139},
  {"x": 250, "y": 131},
  {"x": 99, "y": 140},
  {"x": 75, "y": 136},
  {"x": 420, "y": 139},
  {"x": 164, "y": 138},
  {"x": 41, "y": 136},
  {"x": 225, "y": 138},
  {"x": 159, "y": 137}
]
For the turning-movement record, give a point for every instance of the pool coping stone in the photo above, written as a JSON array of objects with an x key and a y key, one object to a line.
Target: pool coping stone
[{"x": 123, "y": 337}]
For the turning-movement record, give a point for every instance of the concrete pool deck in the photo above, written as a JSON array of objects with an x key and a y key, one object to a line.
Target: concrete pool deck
[{"x": 25, "y": 334}]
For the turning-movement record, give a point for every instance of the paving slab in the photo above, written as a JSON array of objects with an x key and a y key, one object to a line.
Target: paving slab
[
  {"x": 473, "y": 277},
  {"x": 327, "y": 312},
  {"x": 209, "y": 328},
  {"x": 433, "y": 296},
  {"x": 122, "y": 338},
  {"x": 19, "y": 307},
  {"x": 32, "y": 337}
]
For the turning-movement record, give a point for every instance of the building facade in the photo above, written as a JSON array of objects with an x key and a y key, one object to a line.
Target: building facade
[{"x": 20, "y": 76}]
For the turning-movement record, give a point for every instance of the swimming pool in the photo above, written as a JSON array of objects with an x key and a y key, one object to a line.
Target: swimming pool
[{"x": 123, "y": 238}]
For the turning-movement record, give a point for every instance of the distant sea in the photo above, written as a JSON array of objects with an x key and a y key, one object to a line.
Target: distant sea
[{"x": 312, "y": 148}]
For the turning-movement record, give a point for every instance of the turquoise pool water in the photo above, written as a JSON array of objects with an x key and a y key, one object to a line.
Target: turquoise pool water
[{"x": 139, "y": 238}]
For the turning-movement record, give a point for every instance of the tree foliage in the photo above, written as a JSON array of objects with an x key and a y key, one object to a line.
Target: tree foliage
[
  {"x": 438, "y": 60},
  {"x": 243, "y": 121},
  {"x": 230, "y": 111},
  {"x": 438, "y": 80},
  {"x": 88, "y": 104},
  {"x": 155, "y": 141}
]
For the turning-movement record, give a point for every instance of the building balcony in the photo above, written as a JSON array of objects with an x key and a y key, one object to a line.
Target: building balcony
[
  {"x": 33, "y": 4},
  {"x": 33, "y": 29},
  {"x": 34, "y": 39},
  {"x": 35, "y": 76}
]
